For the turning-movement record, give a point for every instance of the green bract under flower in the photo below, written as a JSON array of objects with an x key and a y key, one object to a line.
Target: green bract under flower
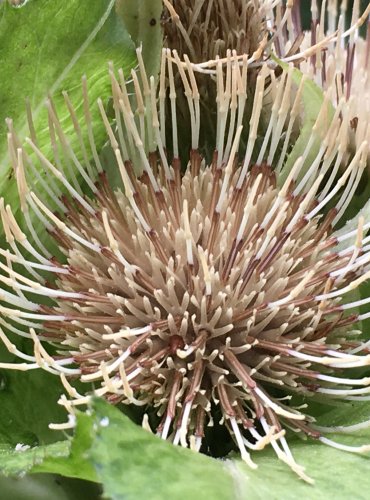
[{"x": 213, "y": 291}]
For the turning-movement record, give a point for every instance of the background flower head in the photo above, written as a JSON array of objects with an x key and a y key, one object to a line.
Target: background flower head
[{"x": 340, "y": 67}]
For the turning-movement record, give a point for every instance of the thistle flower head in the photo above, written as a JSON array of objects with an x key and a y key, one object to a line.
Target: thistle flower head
[
  {"x": 341, "y": 68},
  {"x": 220, "y": 291},
  {"x": 203, "y": 32}
]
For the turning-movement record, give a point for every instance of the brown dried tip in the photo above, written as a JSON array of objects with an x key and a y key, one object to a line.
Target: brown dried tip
[
  {"x": 218, "y": 288},
  {"x": 206, "y": 30}
]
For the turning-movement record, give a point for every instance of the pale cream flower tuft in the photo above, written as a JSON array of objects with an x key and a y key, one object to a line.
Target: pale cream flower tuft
[{"x": 223, "y": 287}]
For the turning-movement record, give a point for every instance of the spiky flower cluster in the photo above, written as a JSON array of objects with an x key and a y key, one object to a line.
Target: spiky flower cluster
[
  {"x": 222, "y": 287},
  {"x": 219, "y": 290}
]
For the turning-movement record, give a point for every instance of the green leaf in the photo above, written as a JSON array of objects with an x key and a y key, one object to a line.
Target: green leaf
[
  {"x": 47, "y": 487},
  {"x": 14, "y": 462},
  {"x": 337, "y": 474},
  {"x": 156, "y": 469},
  {"x": 143, "y": 21},
  {"x": 76, "y": 463},
  {"x": 66, "y": 457},
  {"x": 131, "y": 463},
  {"x": 45, "y": 47},
  {"x": 28, "y": 402}
]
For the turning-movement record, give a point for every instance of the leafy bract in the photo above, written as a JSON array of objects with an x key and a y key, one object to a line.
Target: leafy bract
[
  {"x": 132, "y": 463},
  {"x": 142, "y": 19},
  {"x": 128, "y": 461},
  {"x": 313, "y": 104},
  {"x": 45, "y": 47}
]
